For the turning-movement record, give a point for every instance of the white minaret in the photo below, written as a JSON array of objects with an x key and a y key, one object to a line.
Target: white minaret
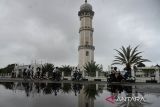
[{"x": 86, "y": 48}]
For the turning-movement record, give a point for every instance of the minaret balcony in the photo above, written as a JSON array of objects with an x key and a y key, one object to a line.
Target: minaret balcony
[
  {"x": 86, "y": 13},
  {"x": 86, "y": 28},
  {"x": 86, "y": 47}
]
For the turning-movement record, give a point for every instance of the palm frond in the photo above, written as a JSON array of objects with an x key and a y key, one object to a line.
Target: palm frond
[
  {"x": 128, "y": 56},
  {"x": 91, "y": 68}
]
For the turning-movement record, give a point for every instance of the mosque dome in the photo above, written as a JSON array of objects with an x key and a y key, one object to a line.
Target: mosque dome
[{"x": 86, "y": 7}]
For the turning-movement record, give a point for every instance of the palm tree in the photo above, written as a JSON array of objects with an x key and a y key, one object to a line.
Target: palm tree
[
  {"x": 47, "y": 68},
  {"x": 129, "y": 57},
  {"x": 66, "y": 69},
  {"x": 8, "y": 69},
  {"x": 91, "y": 67},
  {"x": 141, "y": 65}
]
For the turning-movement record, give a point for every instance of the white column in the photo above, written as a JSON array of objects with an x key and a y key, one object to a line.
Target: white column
[
  {"x": 83, "y": 75},
  {"x": 96, "y": 74},
  {"x": 96, "y": 86},
  {"x": 62, "y": 85},
  {"x": 132, "y": 73},
  {"x": 133, "y": 90},
  {"x": 34, "y": 69},
  {"x": 62, "y": 75},
  {"x": 157, "y": 74},
  {"x": 71, "y": 73}
]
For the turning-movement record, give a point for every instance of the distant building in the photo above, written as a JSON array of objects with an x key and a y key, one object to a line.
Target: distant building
[
  {"x": 19, "y": 69},
  {"x": 147, "y": 73}
]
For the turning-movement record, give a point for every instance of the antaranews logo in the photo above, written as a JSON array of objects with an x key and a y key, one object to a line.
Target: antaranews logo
[{"x": 113, "y": 99}]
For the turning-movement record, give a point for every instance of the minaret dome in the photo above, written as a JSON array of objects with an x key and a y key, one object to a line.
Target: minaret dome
[{"x": 86, "y": 6}]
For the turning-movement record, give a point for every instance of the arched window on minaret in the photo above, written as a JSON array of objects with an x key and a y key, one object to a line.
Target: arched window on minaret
[
  {"x": 87, "y": 53},
  {"x": 87, "y": 43}
]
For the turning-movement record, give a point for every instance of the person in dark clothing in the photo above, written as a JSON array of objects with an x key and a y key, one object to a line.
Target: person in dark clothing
[
  {"x": 115, "y": 76},
  {"x": 28, "y": 74},
  {"x": 24, "y": 74},
  {"x": 77, "y": 75},
  {"x": 38, "y": 74},
  {"x": 112, "y": 77},
  {"x": 31, "y": 73},
  {"x": 56, "y": 74},
  {"x": 115, "y": 69},
  {"x": 126, "y": 75},
  {"x": 120, "y": 77},
  {"x": 13, "y": 75}
]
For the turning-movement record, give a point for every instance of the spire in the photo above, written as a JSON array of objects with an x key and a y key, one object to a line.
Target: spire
[{"x": 85, "y": 1}]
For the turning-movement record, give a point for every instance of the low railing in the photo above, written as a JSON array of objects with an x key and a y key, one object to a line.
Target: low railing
[{"x": 5, "y": 75}]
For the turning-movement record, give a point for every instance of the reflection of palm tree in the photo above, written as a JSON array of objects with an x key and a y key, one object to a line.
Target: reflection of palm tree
[
  {"x": 52, "y": 88},
  {"x": 66, "y": 88},
  {"x": 8, "y": 85},
  {"x": 48, "y": 89},
  {"x": 88, "y": 95},
  {"x": 90, "y": 91}
]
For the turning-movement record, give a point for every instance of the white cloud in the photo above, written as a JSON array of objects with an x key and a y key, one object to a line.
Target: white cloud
[{"x": 38, "y": 29}]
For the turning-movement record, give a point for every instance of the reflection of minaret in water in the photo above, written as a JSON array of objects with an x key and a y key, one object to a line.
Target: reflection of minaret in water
[
  {"x": 86, "y": 48},
  {"x": 84, "y": 101}
]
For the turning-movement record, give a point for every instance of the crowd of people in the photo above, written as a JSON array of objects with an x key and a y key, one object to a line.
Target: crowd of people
[
  {"x": 76, "y": 74},
  {"x": 116, "y": 76},
  {"x": 39, "y": 74},
  {"x": 56, "y": 74}
]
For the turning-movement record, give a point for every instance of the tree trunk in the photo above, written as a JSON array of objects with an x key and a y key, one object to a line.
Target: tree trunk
[{"x": 128, "y": 68}]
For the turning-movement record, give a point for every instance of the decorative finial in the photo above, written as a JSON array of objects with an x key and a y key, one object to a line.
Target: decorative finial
[{"x": 85, "y": 1}]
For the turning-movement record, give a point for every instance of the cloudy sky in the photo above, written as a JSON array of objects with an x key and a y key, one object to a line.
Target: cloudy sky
[{"x": 47, "y": 30}]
